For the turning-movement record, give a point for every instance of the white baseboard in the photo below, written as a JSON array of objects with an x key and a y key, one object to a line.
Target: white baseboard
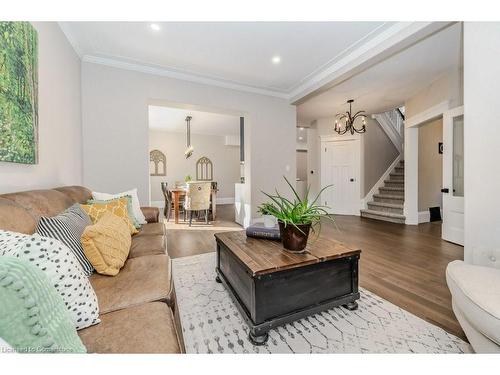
[
  {"x": 379, "y": 183},
  {"x": 229, "y": 200},
  {"x": 424, "y": 217}
]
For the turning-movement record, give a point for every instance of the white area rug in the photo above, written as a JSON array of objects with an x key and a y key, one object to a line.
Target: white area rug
[{"x": 211, "y": 323}]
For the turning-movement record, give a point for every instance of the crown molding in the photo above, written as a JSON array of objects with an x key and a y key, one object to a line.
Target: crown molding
[
  {"x": 159, "y": 71},
  {"x": 390, "y": 41},
  {"x": 383, "y": 42}
]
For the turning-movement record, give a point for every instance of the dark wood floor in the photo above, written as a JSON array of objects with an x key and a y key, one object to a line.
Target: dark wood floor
[{"x": 401, "y": 263}]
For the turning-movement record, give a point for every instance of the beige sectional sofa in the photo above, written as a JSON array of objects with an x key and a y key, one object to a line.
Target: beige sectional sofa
[{"x": 136, "y": 306}]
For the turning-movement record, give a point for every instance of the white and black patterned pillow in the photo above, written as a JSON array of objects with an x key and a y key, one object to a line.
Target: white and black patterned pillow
[
  {"x": 62, "y": 268},
  {"x": 11, "y": 241},
  {"x": 68, "y": 228}
]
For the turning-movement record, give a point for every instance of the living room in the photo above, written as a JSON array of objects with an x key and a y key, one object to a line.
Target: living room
[{"x": 84, "y": 107}]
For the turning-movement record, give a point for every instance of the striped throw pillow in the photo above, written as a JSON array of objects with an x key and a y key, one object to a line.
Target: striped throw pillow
[{"x": 68, "y": 228}]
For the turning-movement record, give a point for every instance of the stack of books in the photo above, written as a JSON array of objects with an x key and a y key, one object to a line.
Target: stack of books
[{"x": 258, "y": 230}]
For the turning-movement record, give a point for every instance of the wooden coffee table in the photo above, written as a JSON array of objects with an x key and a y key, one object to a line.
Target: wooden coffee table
[{"x": 272, "y": 286}]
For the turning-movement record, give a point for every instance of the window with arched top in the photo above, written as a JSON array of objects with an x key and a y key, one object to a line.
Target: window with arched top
[
  {"x": 204, "y": 169},
  {"x": 157, "y": 163}
]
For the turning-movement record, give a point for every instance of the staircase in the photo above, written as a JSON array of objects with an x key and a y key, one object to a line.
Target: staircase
[{"x": 387, "y": 205}]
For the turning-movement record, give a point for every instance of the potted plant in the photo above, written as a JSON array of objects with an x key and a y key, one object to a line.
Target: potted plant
[
  {"x": 266, "y": 210},
  {"x": 296, "y": 218},
  {"x": 188, "y": 179}
]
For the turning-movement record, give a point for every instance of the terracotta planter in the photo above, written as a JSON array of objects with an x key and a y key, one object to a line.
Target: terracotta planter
[{"x": 293, "y": 239}]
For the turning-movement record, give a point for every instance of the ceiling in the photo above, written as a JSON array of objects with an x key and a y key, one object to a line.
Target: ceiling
[
  {"x": 207, "y": 123},
  {"x": 235, "y": 52},
  {"x": 390, "y": 83}
]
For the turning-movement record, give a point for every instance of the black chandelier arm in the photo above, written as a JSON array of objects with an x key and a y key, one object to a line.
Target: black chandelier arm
[
  {"x": 340, "y": 132},
  {"x": 360, "y": 131}
]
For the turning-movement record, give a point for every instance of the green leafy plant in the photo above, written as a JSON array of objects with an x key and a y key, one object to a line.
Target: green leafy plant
[
  {"x": 297, "y": 211},
  {"x": 188, "y": 178}
]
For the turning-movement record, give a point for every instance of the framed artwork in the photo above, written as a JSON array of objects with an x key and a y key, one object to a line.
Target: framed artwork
[
  {"x": 159, "y": 163},
  {"x": 204, "y": 169},
  {"x": 18, "y": 93}
]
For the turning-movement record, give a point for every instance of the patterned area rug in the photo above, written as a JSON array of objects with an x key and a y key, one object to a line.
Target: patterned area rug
[{"x": 211, "y": 323}]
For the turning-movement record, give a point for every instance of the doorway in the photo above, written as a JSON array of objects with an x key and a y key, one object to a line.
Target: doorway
[
  {"x": 453, "y": 176},
  {"x": 340, "y": 167}
]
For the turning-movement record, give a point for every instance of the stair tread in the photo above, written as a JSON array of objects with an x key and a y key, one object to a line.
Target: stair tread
[
  {"x": 394, "y": 182},
  {"x": 396, "y": 174},
  {"x": 392, "y": 188},
  {"x": 383, "y": 204},
  {"x": 384, "y": 214},
  {"x": 388, "y": 196}
]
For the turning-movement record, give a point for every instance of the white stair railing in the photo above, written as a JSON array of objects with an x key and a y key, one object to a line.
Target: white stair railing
[{"x": 393, "y": 124}]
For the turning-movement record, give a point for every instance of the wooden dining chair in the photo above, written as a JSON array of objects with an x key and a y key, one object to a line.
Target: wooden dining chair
[{"x": 198, "y": 199}]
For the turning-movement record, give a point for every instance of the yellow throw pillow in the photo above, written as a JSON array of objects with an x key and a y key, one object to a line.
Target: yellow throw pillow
[
  {"x": 106, "y": 244},
  {"x": 117, "y": 207}
]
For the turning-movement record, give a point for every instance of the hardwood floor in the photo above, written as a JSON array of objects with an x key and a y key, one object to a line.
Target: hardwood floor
[{"x": 403, "y": 264}]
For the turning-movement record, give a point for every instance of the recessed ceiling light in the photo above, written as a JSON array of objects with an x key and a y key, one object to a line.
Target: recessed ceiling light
[
  {"x": 276, "y": 59},
  {"x": 301, "y": 138},
  {"x": 155, "y": 27},
  {"x": 301, "y": 128}
]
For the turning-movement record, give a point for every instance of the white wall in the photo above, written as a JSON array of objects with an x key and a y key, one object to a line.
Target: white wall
[
  {"x": 115, "y": 129},
  {"x": 59, "y": 111},
  {"x": 377, "y": 153},
  {"x": 225, "y": 160},
  {"x": 444, "y": 93},
  {"x": 482, "y": 142}
]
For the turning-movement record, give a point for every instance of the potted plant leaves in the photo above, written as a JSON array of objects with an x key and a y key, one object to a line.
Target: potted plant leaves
[{"x": 296, "y": 216}]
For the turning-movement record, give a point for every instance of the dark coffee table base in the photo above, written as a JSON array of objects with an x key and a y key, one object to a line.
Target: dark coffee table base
[
  {"x": 258, "y": 334},
  {"x": 270, "y": 300}
]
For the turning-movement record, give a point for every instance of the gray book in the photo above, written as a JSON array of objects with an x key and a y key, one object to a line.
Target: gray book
[{"x": 258, "y": 230}]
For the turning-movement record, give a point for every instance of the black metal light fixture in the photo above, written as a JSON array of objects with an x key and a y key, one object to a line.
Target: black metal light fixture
[
  {"x": 189, "y": 148},
  {"x": 346, "y": 122}
]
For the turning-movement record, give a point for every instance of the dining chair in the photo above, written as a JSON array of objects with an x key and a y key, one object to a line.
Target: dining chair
[
  {"x": 198, "y": 199},
  {"x": 167, "y": 194}
]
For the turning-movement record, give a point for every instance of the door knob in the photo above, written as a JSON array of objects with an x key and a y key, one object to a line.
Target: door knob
[
  {"x": 351, "y": 179},
  {"x": 445, "y": 190}
]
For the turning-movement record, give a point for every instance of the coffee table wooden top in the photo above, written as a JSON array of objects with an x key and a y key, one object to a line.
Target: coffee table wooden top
[{"x": 265, "y": 256}]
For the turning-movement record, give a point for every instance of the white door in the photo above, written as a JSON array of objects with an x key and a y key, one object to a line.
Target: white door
[
  {"x": 453, "y": 176},
  {"x": 340, "y": 167}
]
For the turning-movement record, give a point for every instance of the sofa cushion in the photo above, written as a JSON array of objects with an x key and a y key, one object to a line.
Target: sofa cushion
[
  {"x": 16, "y": 218},
  {"x": 41, "y": 202},
  {"x": 79, "y": 194},
  {"x": 147, "y": 245},
  {"x": 107, "y": 244},
  {"x": 476, "y": 292},
  {"x": 146, "y": 328},
  {"x": 141, "y": 280},
  {"x": 152, "y": 229}
]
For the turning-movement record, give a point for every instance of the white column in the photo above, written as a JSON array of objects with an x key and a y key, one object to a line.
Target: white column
[{"x": 482, "y": 142}]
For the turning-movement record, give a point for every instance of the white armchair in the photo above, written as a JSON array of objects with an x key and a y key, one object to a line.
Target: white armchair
[
  {"x": 475, "y": 291},
  {"x": 198, "y": 199}
]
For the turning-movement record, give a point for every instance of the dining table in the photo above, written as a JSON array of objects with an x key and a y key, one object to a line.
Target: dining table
[{"x": 179, "y": 192}]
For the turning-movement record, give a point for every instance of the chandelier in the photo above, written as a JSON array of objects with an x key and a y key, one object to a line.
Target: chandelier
[
  {"x": 189, "y": 148},
  {"x": 346, "y": 122}
]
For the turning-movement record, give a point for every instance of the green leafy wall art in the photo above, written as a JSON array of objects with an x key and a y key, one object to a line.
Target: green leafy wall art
[{"x": 18, "y": 92}]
